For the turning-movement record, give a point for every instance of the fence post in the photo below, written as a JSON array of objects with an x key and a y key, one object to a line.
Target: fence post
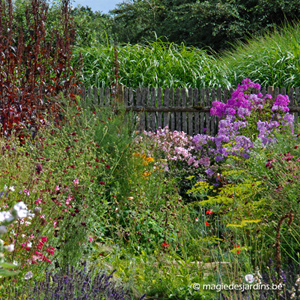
[{"x": 271, "y": 91}]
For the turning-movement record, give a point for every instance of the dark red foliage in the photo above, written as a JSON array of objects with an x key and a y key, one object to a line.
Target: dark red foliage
[{"x": 35, "y": 71}]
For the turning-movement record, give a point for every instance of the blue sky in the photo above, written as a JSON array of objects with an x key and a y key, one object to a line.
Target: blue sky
[{"x": 98, "y": 5}]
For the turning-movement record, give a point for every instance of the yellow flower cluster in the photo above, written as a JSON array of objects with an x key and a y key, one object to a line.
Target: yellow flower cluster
[{"x": 147, "y": 159}]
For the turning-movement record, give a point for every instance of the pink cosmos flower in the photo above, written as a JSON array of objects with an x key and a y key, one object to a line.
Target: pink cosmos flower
[
  {"x": 76, "y": 181},
  {"x": 38, "y": 201},
  {"x": 91, "y": 239},
  {"x": 26, "y": 192}
]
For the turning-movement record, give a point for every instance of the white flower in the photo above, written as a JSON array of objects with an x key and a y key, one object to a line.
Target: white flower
[
  {"x": 24, "y": 222},
  {"x": 3, "y": 229},
  {"x": 5, "y": 187},
  {"x": 249, "y": 278},
  {"x": 21, "y": 209},
  {"x": 11, "y": 188},
  {"x": 29, "y": 244},
  {"x": 2, "y": 217},
  {"x": 28, "y": 275},
  {"x": 6, "y": 216},
  {"x": 10, "y": 248}
]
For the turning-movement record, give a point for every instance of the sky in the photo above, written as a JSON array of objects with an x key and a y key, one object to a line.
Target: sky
[{"x": 98, "y": 5}]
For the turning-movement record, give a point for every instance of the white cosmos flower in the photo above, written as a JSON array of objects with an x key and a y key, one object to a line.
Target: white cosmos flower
[
  {"x": 3, "y": 229},
  {"x": 249, "y": 278},
  {"x": 21, "y": 209},
  {"x": 6, "y": 216},
  {"x": 28, "y": 275},
  {"x": 10, "y": 248}
]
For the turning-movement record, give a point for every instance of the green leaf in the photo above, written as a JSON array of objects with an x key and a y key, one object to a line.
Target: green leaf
[
  {"x": 6, "y": 265},
  {"x": 5, "y": 273}
]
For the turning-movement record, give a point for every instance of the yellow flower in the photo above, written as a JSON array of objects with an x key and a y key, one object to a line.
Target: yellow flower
[
  {"x": 147, "y": 173},
  {"x": 149, "y": 159},
  {"x": 136, "y": 154}
]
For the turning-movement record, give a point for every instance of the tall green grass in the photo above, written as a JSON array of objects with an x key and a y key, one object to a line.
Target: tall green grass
[
  {"x": 271, "y": 60},
  {"x": 156, "y": 64}
]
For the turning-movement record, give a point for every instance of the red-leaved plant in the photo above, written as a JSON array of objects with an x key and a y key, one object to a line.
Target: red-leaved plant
[{"x": 34, "y": 70}]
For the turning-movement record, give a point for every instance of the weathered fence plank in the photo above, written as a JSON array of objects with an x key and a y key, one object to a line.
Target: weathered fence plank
[
  {"x": 130, "y": 99},
  {"x": 102, "y": 97},
  {"x": 166, "y": 104},
  {"x": 196, "y": 114},
  {"x": 95, "y": 98},
  {"x": 207, "y": 115},
  {"x": 139, "y": 105},
  {"x": 159, "y": 104},
  {"x": 212, "y": 118},
  {"x": 190, "y": 114},
  {"x": 172, "y": 114},
  {"x": 107, "y": 96},
  {"x": 178, "y": 115},
  {"x": 184, "y": 124},
  {"x": 148, "y": 103},
  {"x": 202, "y": 103},
  {"x": 152, "y": 105},
  {"x": 143, "y": 104}
]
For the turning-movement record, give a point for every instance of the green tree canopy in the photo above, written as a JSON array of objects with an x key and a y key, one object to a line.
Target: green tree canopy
[{"x": 202, "y": 23}]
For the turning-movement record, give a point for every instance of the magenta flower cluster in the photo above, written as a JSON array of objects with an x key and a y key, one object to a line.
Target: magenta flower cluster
[{"x": 235, "y": 115}]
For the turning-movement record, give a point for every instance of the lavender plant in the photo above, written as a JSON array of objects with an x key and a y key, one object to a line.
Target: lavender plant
[{"x": 76, "y": 284}]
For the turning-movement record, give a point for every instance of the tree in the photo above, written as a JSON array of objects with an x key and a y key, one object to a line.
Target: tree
[
  {"x": 91, "y": 27},
  {"x": 203, "y": 23}
]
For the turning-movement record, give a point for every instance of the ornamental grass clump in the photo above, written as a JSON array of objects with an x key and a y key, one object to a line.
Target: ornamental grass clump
[{"x": 157, "y": 64}]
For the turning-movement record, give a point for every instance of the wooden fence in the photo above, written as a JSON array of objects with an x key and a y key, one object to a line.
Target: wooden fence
[{"x": 183, "y": 109}]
